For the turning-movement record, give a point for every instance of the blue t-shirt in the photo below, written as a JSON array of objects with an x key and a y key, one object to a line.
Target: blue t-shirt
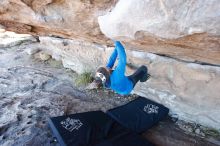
[{"x": 119, "y": 82}]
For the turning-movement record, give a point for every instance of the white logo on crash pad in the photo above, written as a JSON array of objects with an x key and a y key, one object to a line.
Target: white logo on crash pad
[
  {"x": 151, "y": 109},
  {"x": 71, "y": 124}
]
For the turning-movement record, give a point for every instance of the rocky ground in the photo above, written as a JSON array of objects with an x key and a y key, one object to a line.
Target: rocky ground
[{"x": 36, "y": 87}]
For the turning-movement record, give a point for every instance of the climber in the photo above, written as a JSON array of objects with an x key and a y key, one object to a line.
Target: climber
[{"x": 116, "y": 79}]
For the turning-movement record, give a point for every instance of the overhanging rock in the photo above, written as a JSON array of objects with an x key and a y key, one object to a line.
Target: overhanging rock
[{"x": 188, "y": 30}]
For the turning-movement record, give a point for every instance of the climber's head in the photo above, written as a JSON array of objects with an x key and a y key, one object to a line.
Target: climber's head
[{"x": 102, "y": 76}]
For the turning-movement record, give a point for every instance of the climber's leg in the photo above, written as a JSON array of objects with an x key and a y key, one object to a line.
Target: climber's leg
[{"x": 140, "y": 75}]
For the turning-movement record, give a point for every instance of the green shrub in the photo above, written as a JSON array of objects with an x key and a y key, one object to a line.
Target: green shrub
[
  {"x": 212, "y": 132},
  {"x": 84, "y": 78}
]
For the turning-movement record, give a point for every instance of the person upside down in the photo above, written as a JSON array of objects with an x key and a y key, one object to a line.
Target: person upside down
[{"x": 116, "y": 79}]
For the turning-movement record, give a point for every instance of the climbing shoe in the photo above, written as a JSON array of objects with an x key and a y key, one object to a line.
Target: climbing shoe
[{"x": 145, "y": 78}]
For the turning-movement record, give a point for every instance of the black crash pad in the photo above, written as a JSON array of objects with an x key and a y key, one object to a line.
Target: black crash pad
[
  {"x": 139, "y": 115},
  {"x": 91, "y": 129},
  {"x": 81, "y": 129}
]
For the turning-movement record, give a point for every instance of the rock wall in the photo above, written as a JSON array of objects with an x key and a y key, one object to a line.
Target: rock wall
[
  {"x": 190, "y": 90},
  {"x": 65, "y": 18},
  {"x": 184, "y": 29}
]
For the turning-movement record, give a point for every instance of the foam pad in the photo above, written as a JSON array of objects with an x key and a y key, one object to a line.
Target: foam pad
[
  {"x": 81, "y": 129},
  {"x": 139, "y": 115},
  {"x": 89, "y": 129},
  {"x": 125, "y": 139}
]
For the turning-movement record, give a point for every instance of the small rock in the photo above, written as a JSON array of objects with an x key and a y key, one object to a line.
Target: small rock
[
  {"x": 43, "y": 56},
  {"x": 2, "y": 30},
  {"x": 202, "y": 134},
  {"x": 197, "y": 131},
  {"x": 31, "y": 50},
  {"x": 174, "y": 117},
  {"x": 189, "y": 129}
]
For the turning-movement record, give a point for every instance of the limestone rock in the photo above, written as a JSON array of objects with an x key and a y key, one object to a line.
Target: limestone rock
[
  {"x": 10, "y": 39},
  {"x": 197, "y": 131},
  {"x": 77, "y": 55},
  {"x": 44, "y": 56},
  {"x": 184, "y": 29},
  {"x": 169, "y": 19},
  {"x": 65, "y": 18}
]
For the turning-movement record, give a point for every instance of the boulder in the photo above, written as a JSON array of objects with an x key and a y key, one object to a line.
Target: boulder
[{"x": 184, "y": 29}]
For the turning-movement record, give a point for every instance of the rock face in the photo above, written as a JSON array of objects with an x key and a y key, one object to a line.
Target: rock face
[
  {"x": 10, "y": 39},
  {"x": 184, "y": 29},
  {"x": 190, "y": 90},
  {"x": 65, "y": 18}
]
